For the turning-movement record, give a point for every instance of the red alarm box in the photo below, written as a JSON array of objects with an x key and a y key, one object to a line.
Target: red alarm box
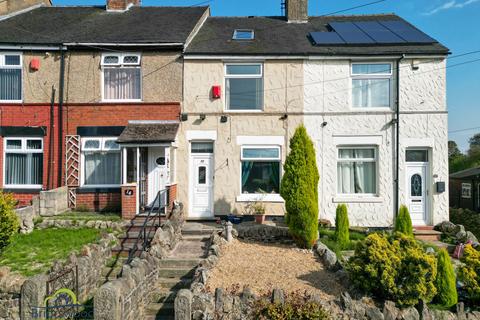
[
  {"x": 216, "y": 92},
  {"x": 35, "y": 64}
]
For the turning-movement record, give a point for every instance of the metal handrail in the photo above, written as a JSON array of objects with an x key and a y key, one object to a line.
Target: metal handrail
[{"x": 151, "y": 216}]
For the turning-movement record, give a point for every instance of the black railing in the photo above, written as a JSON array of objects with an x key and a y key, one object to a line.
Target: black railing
[{"x": 157, "y": 209}]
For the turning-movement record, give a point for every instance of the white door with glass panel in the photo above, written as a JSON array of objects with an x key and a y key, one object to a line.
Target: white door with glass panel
[
  {"x": 417, "y": 185},
  {"x": 201, "y": 180},
  {"x": 157, "y": 173}
]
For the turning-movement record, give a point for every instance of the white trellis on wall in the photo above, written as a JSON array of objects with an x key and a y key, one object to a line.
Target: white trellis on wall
[{"x": 72, "y": 167}]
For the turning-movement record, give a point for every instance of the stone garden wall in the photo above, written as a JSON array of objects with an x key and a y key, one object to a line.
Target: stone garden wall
[
  {"x": 262, "y": 232},
  {"x": 10, "y": 287},
  {"x": 94, "y": 224},
  {"x": 126, "y": 297}
]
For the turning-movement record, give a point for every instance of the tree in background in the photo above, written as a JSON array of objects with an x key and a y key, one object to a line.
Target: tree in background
[
  {"x": 403, "y": 222},
  {"x": 299, "y": 189},
  {"x": 458, "y": 161}
]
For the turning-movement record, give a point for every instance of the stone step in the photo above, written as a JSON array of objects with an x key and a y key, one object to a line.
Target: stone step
[
  {"x": 111, "y": 272},
  {"x": 175, "y": 272},
  {"x": 160, "y": 310},
  {"x": 173, "y": 284},
  {"x": 179, "y": 263},
  {"x": 427, "y": 235},
  {"x": 161, "y": 296},
  {"x": 196, "y": 237}
]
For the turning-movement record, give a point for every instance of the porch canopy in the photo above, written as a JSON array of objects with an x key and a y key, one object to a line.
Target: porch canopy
[{"x": 148, "y": 132}]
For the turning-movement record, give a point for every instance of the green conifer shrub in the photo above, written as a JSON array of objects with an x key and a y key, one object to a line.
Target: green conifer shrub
[
  {"x": 9, "y": 223},
  {"x": 403, "y": 222},
  {"x": 342, "y": 234},
  {"x": 299, "y": 189},
  {"x": 469, "y": 274},
  {"x": 445, "y": 283}
]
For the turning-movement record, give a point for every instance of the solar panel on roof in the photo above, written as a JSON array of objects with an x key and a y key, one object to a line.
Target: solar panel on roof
[
  {"x": 406, "y": 31},
  {"x": 378, "y": 32},
  {"x": 320, "y": 38},
  {"x": 349, "y": 32}
]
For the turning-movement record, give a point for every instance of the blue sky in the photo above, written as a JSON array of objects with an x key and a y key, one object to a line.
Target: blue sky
[{"x": 455, "y": 23}]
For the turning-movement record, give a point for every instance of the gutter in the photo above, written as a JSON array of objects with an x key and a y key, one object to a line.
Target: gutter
[
  {"x": 60, "y": 117},
  {"x": 114, "y": 44},
  {"x": 397, "y": 142}
]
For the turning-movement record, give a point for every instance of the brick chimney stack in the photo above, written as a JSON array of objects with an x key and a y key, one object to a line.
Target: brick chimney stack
[
  {"x": 296, "y": 11},
  {"x": 12, "y": 6},
  {"x": 121, "y": 5}
]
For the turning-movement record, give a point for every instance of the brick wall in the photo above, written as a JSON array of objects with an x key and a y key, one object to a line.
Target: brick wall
[
  {"x": 172, "y": 196},
  {"x": 99, "y": 201},
  {"x": 129, "y": 202},
  {"x": 121, "y": 4}
]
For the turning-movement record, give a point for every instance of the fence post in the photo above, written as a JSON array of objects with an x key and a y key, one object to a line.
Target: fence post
[
  {"x": 32, "y": 295},
  {"x": 183, "y": 305}
]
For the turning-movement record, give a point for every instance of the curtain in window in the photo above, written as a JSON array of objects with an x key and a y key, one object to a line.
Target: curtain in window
[
  {"x": 246, "y": 169},
  {"x": 24, "y": 168},
  {"x": 102, "y": 168},
  {"x": 371, "y": 93},
  {"x": 10, "y": 84},
  {"x": 122, "y": 83},
  {"x": 260, "y": 177},
  {"x": 356, "y": 176}
]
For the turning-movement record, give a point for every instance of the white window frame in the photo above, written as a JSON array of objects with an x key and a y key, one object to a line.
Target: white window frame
[
  {"x": 121, "y": 64},
  {"x": 375, "y": 160},
  {"x": 23, "y": 150},
  {"x": 3, "y": 66},
  {"x": 466, "y": 191},
  {"x": 236, "y": 31},
  {"x": 269, "y": 197},
  {"x": 101, "y": 148},
  {"x": 363, "y": 76},
  {"x": 243, "y": 76}
]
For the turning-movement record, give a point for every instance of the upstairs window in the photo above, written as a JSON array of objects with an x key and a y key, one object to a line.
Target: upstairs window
[
  {"x": 23, "y": 162},
  {"x": 10, "y": 77},
  {"x": 371, "y": 85},
  {"x": 101, "y": 161},
  {"x": 244, "y": 86},
  {"x": 122, "y": 77},
  {"x": 243, "y": 34}
]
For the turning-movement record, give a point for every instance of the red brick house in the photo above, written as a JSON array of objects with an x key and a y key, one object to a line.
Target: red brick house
[{"x": 75, "y": 79}]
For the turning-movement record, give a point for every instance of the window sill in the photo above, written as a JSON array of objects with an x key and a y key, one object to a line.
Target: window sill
[
  {"x": 372, "y": 109},
  {"x": 249, "y": 197},
  {"x": 10, "y": 101},
  {"x": 121, "y": 101},
  {"x": 357, "y": 199},
  {"x": 243, "y": 111},
  {"x": 22, "y": 189}
]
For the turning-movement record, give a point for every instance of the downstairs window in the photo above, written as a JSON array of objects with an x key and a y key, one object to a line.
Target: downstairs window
[
  {"x": 260, "y": 170},
  {"x": 23, "y": 162},
  {"x": 357, "y": 170},
  {"x": 101, "y": 161}
]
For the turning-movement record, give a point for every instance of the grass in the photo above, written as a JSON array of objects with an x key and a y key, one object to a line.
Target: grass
[
  {"x": 87, "y": 216},
  {"x": 327, "y": 237},
  {"x": 34, "y": 253}
]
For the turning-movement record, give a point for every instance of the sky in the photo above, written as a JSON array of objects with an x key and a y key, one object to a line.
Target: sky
[{"x": 455, "y": 23}]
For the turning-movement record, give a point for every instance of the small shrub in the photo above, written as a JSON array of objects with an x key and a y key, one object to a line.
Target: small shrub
[
  {"x": 445, "y": 283},
  {"x": 468, "y": 218},
  {"x": 403, "y": 222},
  {"x": 393, "y": 268},
  {"x": 299, "y": 189},
  {"x": 342, "y": 234},
  {"x": 9, "y": 223},
  {"x": 469, "y": 274},
  {"x": 296, "y": 307}
]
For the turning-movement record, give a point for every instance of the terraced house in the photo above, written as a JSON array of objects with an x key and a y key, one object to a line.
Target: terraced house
[{"x": 123, "y": 101}]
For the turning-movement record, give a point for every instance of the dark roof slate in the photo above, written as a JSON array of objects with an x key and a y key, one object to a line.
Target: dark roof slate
[
  {"x": 142, "y": 133},
  {"x": 467, "y": 173},
  {"x": 275, "y": 36},
  {"x": 55, "y": 25}
]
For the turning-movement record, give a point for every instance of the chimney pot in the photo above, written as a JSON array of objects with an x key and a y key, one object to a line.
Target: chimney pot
[
  {"x": 296, "y": 11},
  {"x": 121, "y": 5}
]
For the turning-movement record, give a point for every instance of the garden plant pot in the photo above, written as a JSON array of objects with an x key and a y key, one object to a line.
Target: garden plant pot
[{"x": 260, "y": 218}]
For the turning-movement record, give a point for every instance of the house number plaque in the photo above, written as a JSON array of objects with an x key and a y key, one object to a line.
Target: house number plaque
[{"x": 129, "y": 192}]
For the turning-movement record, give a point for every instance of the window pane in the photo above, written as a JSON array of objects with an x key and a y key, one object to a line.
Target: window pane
[
  {"x": 111, "y": 145},
  {"x": 371, "y": 68},
  {"x": 111, "y": 60},
  {"x": 356, "y": 153},
  {"x": 10, "y": 84},
  {"x": 102, "y": 168},
  {"x": 417, "y": 156},
  {"x": 24, "y": 169},
  {"x": 12, "y": 60},
  {"x": 34, "y": 144},
  {"x": 92, "y": 144},
  {"x": 356, "y": 177},
  {"x": 416, "y": 186},
  {"x": 243, "y": 34},
  {"x": 371, "y": 93},
  {"x": 122, "y": 83},
  {"x": 202, "y": 147},
  {"x": 261, "y": 153},
  {"x": 131, "y": 59},
  {"x": 260, "y": 177},
  {"x": 14, "y": 144},
  {"x": 248, "y": 69},
  {"x": 202, "y": 175},
  {"x": 245, "y": 94}
]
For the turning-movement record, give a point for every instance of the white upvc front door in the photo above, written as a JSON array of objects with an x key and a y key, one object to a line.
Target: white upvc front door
[
  {"x": 201, "y": 185},
  {"x": 417, "y": 192},
  {"x": 158, "y": 174}
]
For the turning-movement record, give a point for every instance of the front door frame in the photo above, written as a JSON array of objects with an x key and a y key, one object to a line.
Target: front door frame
[
  {"x": 191, "y": 177},
  {"x": 427, "y": 187}
]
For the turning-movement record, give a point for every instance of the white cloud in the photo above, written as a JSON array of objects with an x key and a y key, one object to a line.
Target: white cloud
[{"x": 454, "y": 4}]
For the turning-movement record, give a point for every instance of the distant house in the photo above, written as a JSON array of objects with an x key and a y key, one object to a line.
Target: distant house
[{"x": 465, "y": 189}]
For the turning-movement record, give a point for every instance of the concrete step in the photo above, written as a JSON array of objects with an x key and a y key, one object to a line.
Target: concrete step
[
  {"x": 175, "y": 272},
  {"x": 160, "y": 311},
  {"x": 162, "y": 295},
  {"x": 173, "y": 284},
  {"x": 442, "y": 245},
  {"x": 427, "y": 235},
  {"x": 179, "y": 263}
]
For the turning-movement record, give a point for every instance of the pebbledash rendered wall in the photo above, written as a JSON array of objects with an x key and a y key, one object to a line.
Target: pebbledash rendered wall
[{"x": 331, "y": 121}]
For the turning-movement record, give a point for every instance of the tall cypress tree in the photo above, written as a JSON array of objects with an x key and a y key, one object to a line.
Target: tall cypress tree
[
  {"x": 445, "y": 282},
  {"x": 299, "y": 189},
  {"x": 403, "y": 222}
]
